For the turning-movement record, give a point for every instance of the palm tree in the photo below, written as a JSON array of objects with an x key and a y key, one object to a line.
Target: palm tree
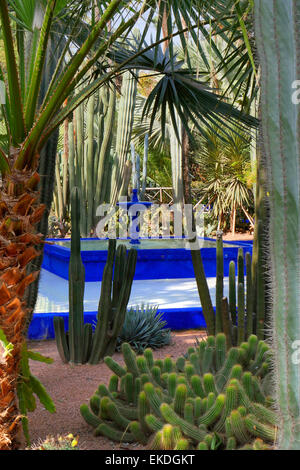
[{"x": 223, "y": 168}]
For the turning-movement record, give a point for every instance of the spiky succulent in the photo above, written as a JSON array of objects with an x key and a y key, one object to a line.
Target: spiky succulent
[{"x": 213, "y": 398}]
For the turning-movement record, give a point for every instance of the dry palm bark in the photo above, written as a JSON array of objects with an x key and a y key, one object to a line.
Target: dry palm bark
[{"x": 20, "y": 211}]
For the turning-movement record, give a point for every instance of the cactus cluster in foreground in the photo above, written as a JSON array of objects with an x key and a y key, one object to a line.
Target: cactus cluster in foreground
[{"x": 211, "y": 398}]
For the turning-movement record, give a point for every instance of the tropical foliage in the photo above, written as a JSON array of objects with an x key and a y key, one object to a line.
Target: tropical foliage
[{"x": 221, "y": 171}]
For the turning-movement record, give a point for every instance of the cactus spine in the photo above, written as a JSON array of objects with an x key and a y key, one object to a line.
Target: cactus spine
[
  {"x": 125, "y": 124},
  {"x": 74, "y": 353}
]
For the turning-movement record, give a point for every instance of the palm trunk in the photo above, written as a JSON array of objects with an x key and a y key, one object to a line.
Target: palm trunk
[
  {"x": 20, "y": 211},
  {"x": 220, "y": 222},
  {"x": 46, "y": 169},
  {"x": 233, "y": 220}
]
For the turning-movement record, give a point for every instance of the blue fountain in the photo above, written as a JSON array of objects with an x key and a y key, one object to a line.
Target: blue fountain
[{"x": 140, "y": 206}]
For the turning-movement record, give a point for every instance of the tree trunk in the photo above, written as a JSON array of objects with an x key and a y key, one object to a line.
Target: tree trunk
[{"x": 20, "y": 212}]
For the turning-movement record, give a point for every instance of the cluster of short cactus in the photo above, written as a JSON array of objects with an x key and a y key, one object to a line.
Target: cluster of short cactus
[
  {"x": 211, "y": 398},
  {"x": 68, "y": 442}
]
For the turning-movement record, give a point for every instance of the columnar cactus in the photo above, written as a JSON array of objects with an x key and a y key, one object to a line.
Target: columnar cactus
[
  {"x": 208, "y": 395},
  {"x": 116, "y": 286},
  {"x": 93, "y": 155},
  {"x": 90, "y": 136},
  {"x": 125, "y": 124},
  {"x": 278, "y": 44},
  {"x": 105, "y": 126},
  {"x": 71, "y": 347},
  {"x": 219, "y": 281},
  {"x": 79, "y": 345}
]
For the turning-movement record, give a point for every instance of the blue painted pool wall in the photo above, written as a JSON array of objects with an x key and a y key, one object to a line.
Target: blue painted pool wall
[{"x": 152, "y": 264}]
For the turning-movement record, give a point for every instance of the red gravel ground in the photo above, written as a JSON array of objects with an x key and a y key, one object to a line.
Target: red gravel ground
[
  {"x": 70, "y": 386},
  {"x": 242, "y": 237}
]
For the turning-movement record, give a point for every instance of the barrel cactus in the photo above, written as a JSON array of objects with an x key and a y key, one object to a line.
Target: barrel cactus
[{"x": 210, "y": 398}]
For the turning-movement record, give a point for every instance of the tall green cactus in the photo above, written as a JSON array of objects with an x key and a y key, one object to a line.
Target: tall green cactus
[
  {"x": 115, "y": 292},
  {"x": 145, "y": 162},
  {"x": 105, "y": 125},
  {"x": 71, "y": 347},
  {"x": 278, "y": 43},
  {"x": 219, "y": 281},
  {"x": 125, "y": 124},
  {"x": 99, "y": 166},
  {"x": 176, "y": 160},
  {"x": 233, "y": 316},
  {"x": 79, "y": 345},
  {"x": 203, "y": 290},
  {"x": 90, "y": 138}
]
